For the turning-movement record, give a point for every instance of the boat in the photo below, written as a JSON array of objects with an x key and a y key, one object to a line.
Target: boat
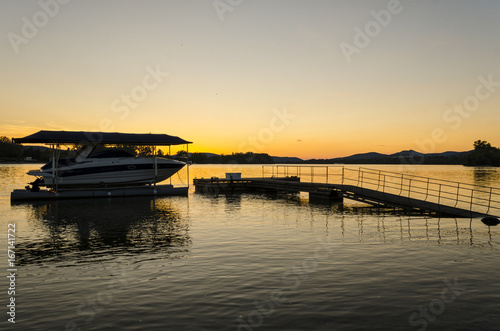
[{"x": 107, "y": 168}]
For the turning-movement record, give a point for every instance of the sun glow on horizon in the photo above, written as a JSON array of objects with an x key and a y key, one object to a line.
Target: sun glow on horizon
[{"x": 284, "y": 86}]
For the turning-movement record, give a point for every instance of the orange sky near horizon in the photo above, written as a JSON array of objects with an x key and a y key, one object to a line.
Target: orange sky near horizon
[{"x": 288, "y": 78}]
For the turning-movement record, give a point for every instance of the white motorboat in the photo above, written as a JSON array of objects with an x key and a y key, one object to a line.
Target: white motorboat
[{"x": 108, "y": 168}]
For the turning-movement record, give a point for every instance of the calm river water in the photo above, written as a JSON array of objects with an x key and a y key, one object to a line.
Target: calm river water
[{"x": 246, "y": 262}]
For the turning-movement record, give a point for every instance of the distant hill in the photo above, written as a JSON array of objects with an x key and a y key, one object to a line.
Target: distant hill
[
  {"x": 402, "y": 157},
  {"x": 405, "y": 157},
  {"x": 406, "y": 153},
  {"x": 371, "y": 155}
]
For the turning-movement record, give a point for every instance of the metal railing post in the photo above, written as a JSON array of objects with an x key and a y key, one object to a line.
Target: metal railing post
[
  {"x": 439, "y": 194},
  {"x": 489, "y": 201},
  {"x": 401, "y": 187},
  {"x": 458, "y": 195},
  {"x": 427, "y": 190},
  {"x": 471, "y": 198},
  {"x": 378, "y": 181}
]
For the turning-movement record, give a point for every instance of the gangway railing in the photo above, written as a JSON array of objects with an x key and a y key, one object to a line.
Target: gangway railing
[{"x": 472, "y": 197}]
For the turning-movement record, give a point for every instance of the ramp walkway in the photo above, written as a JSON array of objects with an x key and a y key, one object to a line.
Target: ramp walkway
[{"x": 372, "y": 186}]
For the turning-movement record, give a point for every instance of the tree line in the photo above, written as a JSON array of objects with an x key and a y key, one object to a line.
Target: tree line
[
  {"x": 12, "y": 152},
  {"x": 483, "y": 154},
  {"x": 236, "y": 158}
]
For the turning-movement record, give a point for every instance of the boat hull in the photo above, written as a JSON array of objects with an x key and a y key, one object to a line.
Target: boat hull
[{"x": 119, "y": 172}]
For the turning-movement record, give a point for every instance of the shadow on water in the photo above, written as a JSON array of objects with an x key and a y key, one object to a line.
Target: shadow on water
[{"x": 102, "y": 229}]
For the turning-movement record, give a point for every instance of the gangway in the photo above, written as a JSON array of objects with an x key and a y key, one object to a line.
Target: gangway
[{"x": 373, "y": 186}]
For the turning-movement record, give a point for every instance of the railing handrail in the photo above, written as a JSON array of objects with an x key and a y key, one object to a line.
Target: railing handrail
[
  {"x": 378, "y": 170},
  {"x": 440, "y": 189}
]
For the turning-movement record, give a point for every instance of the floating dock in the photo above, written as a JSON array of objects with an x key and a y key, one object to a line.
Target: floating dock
[
  {"x": 375, "y": 187},
  {"x": 158, "y": 190}
]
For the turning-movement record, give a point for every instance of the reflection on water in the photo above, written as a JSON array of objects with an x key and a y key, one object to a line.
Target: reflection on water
[
  {"x": 486, "y": 176},
  {"x": 375, "y": 269},
  {"x": 357, "y": 222},
  {"x": 99, "y": 229}
]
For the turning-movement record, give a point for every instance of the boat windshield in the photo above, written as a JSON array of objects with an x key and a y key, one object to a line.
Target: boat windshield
[{"x": 110, "y": 153}]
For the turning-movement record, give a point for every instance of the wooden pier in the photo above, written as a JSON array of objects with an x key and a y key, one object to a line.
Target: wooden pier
[{"x": 375, "y": 187}]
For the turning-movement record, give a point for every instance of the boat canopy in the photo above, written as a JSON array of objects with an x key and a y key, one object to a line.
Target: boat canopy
[{"x": 82, "y": 137}]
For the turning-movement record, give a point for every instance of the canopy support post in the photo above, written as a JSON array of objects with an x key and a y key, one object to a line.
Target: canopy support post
[
  {"x": 155, "y": 165},
  {"x": 170, "y": 157},
  {"x": 56, "y": 151},
  {"x": 55, "y": 161},
  {"x": 187, "y": 163},
  {"x": 53, "y": 166}
]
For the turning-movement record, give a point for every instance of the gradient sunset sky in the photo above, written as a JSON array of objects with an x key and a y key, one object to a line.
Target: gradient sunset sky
[{"x": 313, "y": 79}]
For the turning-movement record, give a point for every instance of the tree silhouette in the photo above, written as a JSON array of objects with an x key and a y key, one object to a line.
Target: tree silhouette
[
  {"x": 483, "y": 155},
  {"x": 481, "y": 144}
]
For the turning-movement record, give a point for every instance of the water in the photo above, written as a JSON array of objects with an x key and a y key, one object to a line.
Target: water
[{"x": 247, "y": 262}]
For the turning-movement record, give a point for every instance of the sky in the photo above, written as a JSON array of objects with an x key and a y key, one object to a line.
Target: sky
[{"x": 305, "y": 78}]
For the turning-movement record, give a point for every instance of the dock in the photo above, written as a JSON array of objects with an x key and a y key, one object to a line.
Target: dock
[
  {"x": 44, "y": 194},
  {"x": 371, "y": 186}
]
